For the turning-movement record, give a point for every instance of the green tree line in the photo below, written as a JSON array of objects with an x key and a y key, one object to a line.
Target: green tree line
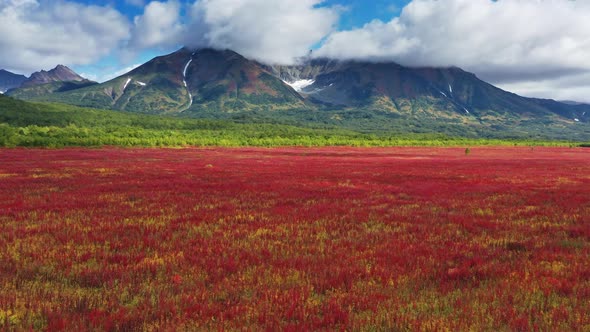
[{"x": 24, "y": 124}]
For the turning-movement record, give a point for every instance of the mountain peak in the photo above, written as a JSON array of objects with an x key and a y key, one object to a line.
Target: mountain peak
[
  {"x": 60, "y": 73},
  {"x": 65, "y": 73}
]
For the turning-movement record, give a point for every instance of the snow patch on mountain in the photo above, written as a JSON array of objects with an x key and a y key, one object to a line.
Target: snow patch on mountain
[
  {"x": 441, "y": 92},
  {"x": 186, "y": 67},
  {"x": 299, "y": 85},
  {"x": 127, "y": 83},
  {"x": 190, "y": 95}
]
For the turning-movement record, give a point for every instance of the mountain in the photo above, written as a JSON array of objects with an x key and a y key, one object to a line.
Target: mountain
[
  {"x": 404, "y": 90},
  {"x": 10, "y": 80},
  {"x": 58, "y": 74},
  {"x": 187, "y": 82},
  {"x": 43, "y": 83},
  {"x": 356, "y": 95},
  {"x": 226, "y": 81}
]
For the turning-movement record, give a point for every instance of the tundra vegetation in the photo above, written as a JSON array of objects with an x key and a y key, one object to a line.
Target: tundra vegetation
[{"x": 334, "y": 238}]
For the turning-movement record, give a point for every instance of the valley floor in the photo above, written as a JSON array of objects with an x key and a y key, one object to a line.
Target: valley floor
[{"x": 295, "y": 239}]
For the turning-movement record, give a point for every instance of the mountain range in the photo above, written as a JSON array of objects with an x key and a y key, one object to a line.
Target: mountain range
[
  {"x": 360, "y": 95},
  {"x": 58, "y": 79},
  {"x": 10, "y": 80}
]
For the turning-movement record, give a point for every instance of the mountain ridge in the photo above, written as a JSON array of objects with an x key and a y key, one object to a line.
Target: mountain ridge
[
  {"x": 42, "y": 83},
  {"x": 208, "y": 83},
  {"x": 60, "y": 73},
  {"x": 9, "y": 80}
]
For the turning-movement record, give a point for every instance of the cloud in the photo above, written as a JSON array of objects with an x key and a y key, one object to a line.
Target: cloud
[
  {"x": 508, "y": 42},
  {"x": 573, "y": 87},
  {"x": 278, "y": 31},
  {"x": 40, "y": 34},
  {"x": 159, "y": 26}
]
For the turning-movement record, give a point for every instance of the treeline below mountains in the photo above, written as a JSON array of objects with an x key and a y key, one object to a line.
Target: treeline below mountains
[{"x": 24, "y": 124}]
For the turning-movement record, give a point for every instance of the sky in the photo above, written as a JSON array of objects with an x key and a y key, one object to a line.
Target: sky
[{"x": 536, "y": 48}]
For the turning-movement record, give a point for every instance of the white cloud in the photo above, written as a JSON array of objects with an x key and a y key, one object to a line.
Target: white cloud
[
  {"x": 509, "y": 42},
  {"x": 571, "y": 87},
  {"x": 159, "y": 26},
  {"x": 277, "y": 31},
  {"x": 40, "y": 34}
]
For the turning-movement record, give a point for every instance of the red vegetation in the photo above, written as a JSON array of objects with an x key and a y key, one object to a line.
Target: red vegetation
[{"x": 295, "y": 239}]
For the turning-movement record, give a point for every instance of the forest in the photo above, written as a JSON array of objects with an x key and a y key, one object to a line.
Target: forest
[{"x": 24, "y": 124}]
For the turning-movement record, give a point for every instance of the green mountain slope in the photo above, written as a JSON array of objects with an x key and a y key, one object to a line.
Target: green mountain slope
[
  {"x": 42, "y": 90},
  {"x": 154, "y": 87},
  {"x": 57, "y": 125}
]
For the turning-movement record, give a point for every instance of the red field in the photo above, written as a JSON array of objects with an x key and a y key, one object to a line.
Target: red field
[{"x": 295, "y": 239}]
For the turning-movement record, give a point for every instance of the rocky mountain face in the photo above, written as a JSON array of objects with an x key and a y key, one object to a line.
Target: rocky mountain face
[
  {"x": 58, "y": 74},
  {"x": 10, "y": 80},
  {"x": 44, "y": 83}
]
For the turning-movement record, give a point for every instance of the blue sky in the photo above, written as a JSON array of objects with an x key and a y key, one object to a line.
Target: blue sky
[
  {"x": 534, "y": 48},
  {"x": 361, "y": 12}
]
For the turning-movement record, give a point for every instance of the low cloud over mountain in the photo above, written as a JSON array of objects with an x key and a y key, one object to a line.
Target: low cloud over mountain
[
  {"x": 269, "y": 31},
  {"x": 509, "y": 42},
  {"x": 537, "y": 48},
  {"x": 159, "y": 26}
]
